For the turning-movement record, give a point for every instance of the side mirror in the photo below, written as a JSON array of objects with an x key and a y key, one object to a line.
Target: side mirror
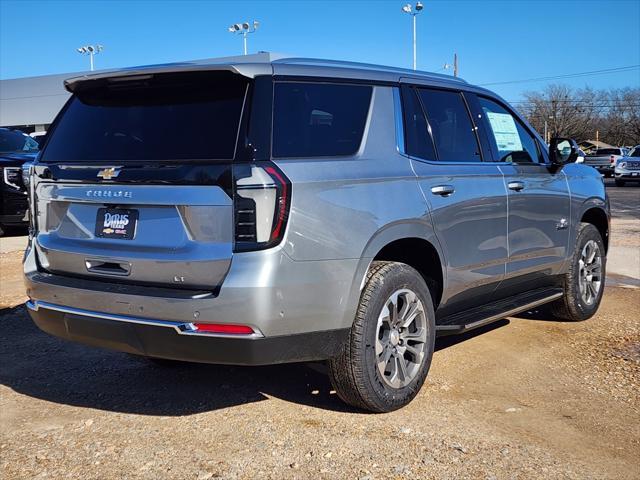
[{"x": 563, "y": 151}]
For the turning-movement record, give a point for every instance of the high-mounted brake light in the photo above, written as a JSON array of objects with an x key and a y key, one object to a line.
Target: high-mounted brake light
[
  {"x": 261, "y": 202},
  {"x": 223, "y": 328}
]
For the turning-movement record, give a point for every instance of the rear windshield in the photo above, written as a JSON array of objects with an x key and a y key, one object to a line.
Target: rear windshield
[
  {"x": 166, "y": 117},
  {"x": 319, "y": 119},
  {"x": 608, "y": 151}
]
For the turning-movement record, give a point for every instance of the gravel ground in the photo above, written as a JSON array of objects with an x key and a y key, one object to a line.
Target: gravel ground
[{"x": 524, "y": 398}]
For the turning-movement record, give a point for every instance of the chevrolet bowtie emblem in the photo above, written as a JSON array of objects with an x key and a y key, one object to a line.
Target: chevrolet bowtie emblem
[{"x": 109, "y": 173}]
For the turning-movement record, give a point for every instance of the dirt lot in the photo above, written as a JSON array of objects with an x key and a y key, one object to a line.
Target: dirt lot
[{"x": 524, "y": 398}]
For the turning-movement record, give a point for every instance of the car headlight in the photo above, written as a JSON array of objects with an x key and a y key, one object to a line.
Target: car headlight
[
  {"x": 622, "y": 164},
  {"x": 26, "y": 174},
  {"x": 13, "y": 177}
]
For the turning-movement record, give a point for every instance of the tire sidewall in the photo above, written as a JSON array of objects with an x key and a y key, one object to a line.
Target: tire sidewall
[
  {"x": 401, "y": 276},
  {"x": 589, "y": 232}
]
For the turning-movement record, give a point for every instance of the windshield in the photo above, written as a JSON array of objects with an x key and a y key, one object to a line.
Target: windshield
[
  {"x": 635, "y": 152},
  {"x": 14, "y": 141},
  {"x": 166, "y": 117}
]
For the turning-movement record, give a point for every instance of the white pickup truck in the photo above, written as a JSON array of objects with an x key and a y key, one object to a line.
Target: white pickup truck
[{"x": 604, "y": 159}]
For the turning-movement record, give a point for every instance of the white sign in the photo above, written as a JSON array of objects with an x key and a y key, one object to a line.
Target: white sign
[{"x": 505, "y": 131}]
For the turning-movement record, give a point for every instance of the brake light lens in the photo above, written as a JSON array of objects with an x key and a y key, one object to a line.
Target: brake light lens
[
  {"x": 261, "y": 202},
  {"x": 223, "y": 328},
  {"x": 612, "y": 159}
]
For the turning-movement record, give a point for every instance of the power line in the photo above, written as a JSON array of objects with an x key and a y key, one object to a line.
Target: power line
[{"x": 568, "y": 75}]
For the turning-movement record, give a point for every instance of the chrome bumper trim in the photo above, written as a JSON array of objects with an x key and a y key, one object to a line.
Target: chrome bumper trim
[{"x": 183, "y": 328}]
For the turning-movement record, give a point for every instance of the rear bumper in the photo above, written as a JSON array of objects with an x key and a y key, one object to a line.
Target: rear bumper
[
  {"x": 628, "y": 175},
  {"x": 302, "y": 310},
  {"x": 175, "y": 340}
]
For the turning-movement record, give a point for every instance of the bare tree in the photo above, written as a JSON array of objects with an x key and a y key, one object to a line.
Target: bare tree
[{"x": 579, "y": 113}]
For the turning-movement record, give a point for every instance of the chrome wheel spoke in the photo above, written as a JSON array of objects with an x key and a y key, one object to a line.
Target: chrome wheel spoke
[
  {"x": 400, "y": 338},
  {"x": 402, "y": 367},
  {"x": 590, "y": 272}
]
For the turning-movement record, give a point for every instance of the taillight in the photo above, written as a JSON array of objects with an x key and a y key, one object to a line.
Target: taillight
[
  {"x": 261, "y": 202},
  {"x": 223, "y": 328},
  {"x": 612, "y": 159}
]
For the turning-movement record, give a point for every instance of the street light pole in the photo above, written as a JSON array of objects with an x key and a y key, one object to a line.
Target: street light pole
[
  {"x": 244, "y": 29},
  {"x": 91, "y": 51},
  {"x": 415, "y": 62},
  {"x": 413, "y": 11}
]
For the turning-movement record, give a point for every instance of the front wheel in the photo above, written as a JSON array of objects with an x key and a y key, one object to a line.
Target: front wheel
[
  {"x": 386, "y": 359},
  {"x": 583, "y": 284}
]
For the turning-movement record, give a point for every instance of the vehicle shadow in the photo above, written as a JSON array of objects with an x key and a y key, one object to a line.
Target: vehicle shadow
[
  {"x": 14, "y": 232},
  {"x": 36, "y": 364}
]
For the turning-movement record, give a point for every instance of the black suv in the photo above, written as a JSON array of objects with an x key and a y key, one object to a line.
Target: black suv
[{"x": 16, "y": 148}]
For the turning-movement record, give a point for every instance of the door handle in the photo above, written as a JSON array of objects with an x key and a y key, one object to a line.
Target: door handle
[
  {"x": 443, "y": 190},
  {"x": 517, "y": 186}
]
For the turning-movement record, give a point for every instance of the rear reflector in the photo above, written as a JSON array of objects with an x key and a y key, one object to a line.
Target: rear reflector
[{"x": 224, "y": 328}]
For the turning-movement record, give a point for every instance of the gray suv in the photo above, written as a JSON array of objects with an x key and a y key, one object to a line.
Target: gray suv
[{"x": 258, "y": 211}]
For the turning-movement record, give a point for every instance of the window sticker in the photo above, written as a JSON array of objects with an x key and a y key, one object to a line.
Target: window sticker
[{"x": 505, "y": 131}]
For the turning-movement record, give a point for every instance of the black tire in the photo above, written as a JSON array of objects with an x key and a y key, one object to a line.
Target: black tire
[
  {"x": 619, "y": 183},
  {"x": 354, "y": 373},
  {"x": 571, "y": 306},
  {"x": 1, "y": 231}
]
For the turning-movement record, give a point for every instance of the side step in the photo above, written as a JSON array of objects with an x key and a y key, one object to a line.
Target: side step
[{"x": 479, "y": 316}]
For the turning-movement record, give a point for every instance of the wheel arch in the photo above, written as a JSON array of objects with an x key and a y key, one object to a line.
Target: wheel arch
[
  {"x": 595, "y": 214},
  {"x": 401, "y": 242}
]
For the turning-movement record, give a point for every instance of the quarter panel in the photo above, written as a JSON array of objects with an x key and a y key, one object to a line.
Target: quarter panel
[{"x": 340, "y": 203}]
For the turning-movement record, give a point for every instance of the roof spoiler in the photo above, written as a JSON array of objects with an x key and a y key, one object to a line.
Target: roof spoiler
[{"x": 77, "y": 84}]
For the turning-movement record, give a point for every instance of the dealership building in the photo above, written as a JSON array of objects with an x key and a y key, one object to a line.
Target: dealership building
[{"x": 30, "y": 104}]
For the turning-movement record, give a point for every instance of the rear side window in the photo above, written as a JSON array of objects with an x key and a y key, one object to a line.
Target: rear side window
[
  {"x": 166, "y": 117},
  {"x": 451, "y": 127},
  {"x": 608, "y": 151},
  {"x": 319, "y": 119},
  {"x": 418, "y": 142},
  {"x": 511, "y": 140}
]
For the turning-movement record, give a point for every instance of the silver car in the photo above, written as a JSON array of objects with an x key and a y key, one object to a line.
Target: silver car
[
  {"x": 627, "y": 168},
  {"x": 258, "y": 211}
]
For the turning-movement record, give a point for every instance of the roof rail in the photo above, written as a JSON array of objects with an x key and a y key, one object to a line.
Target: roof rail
[{"x": 366, "y": 66}]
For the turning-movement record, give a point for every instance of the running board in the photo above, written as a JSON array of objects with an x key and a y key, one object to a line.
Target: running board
[{"x": 479, "y": 316}]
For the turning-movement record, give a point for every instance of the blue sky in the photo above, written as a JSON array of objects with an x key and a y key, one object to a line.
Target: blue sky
[{"x": 495, "y": 40}]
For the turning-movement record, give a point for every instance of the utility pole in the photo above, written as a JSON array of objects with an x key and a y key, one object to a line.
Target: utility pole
[{"x": 455, "y": 64}]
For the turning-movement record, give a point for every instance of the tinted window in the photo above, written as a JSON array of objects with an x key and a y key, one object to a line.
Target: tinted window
[
  {"x": 319, "y": 120},
  {"x": 14, "y": 141},
  {"x": 635, "y": 152},
  {"x": 608, "y": 151},
  {"x": 511, "y": 140},
  {"x": 418, "y": 142},
  {"x": 452, "y": 130},
  {"x": 167, "y": 117}
]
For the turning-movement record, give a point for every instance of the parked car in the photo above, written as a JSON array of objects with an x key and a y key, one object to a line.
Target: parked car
[
  {"x": 16, "y": 148},
  {"x": 318, "y": 211},
  {"x": 604, "y": 160},
  {"x": 627, "y": 168}
]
